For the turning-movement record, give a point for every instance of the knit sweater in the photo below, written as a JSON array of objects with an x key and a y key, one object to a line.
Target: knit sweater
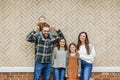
[
  {"x": 59, "y": 58},
  {"x": 83, "y": 53}
]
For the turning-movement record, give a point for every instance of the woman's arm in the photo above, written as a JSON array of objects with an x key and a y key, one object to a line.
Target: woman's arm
[{"x": 91, "y": 56}]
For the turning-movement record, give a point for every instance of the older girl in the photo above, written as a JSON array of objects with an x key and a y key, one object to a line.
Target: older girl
[
  {"x": 87, "y": 54},
  {"x": 59, "y": 59}
]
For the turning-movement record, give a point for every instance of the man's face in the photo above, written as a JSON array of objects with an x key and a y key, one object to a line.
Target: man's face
[{"x": 46, "y": 31}]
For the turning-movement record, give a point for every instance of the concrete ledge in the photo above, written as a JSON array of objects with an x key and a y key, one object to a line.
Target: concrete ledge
[
  {"x": 106, "y": 69},
  {"x": 16, "y": 69},
  {"x": 31, "y": 69}
]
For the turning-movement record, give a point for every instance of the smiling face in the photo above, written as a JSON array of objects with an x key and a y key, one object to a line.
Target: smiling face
[
  {"x": 72, "y": 48},
  {"x": 46, "y": 31},
  {"x": 62, "y": 43},
  {"x": 83, "y": 40},
  {"x": 83, "y": 37}
]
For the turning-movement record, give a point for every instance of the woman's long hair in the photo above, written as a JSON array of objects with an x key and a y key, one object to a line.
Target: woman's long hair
[
  {"x": 58, "y": 45},
  {"x": 86, "y": 42}
]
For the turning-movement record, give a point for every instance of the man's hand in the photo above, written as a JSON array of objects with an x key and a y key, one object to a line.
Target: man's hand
[{"x": 55, "y": 28}]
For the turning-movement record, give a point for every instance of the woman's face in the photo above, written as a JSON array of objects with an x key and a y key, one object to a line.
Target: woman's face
[
  {"x": 62, "y": 43},
  {"x": 72, "y": 48},
  {"x": 82, "y": 37}
]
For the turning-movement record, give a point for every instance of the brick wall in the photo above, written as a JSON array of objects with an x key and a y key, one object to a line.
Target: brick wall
[
  {"x": 105, "y": 76},
  {"x": 29, "y": 76},
  {"x": 16, "y": 76}
]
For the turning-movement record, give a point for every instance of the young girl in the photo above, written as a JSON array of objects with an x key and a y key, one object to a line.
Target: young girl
[
  {"x": 59, "y": 59},
  {"x": 87, "y": 54},
  {"x": 73, "y": 68}
]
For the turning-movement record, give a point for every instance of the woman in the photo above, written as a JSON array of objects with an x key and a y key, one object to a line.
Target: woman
[
  {"x": 59, "y": 59},
  {"x": 87, "y": 54}
]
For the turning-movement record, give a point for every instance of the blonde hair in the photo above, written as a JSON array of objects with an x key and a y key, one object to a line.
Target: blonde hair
[{"x": 42, "y": 17}]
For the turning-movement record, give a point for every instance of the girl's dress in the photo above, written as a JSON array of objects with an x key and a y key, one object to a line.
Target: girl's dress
[{"x": 72, "y": 68}]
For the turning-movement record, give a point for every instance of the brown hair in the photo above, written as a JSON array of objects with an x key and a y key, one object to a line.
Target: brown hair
[
  {"x": 86, "y": 42},
  {"x": 41, "y": 25},
  {"x": 65, "y": 47},
  {"x": 76, "y": 51}
]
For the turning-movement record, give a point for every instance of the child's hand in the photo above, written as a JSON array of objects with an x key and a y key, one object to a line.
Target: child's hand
[
  {"x": 65, "y": 75},
  {"x": 36, "y": 28},
  {"x": 55, "y": 28},
  {"x": 78, "y": 75}
]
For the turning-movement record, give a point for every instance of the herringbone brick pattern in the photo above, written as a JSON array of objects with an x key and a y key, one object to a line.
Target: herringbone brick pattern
[{"x": 99, "y": 18}]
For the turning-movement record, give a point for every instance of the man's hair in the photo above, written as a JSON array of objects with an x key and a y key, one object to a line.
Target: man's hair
[{"x": 41, "y": 25}]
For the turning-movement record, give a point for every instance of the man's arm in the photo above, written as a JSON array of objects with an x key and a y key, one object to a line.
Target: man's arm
[
  {"x": 59, "y": 34},
  {"x": 32, "y": 36}
]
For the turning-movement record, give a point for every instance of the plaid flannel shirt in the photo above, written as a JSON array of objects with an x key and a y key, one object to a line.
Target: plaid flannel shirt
[{"x": 44, "y": 45}]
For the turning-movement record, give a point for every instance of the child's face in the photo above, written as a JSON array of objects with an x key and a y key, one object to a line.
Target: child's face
[
  {"x": 72, "y": 48},
  {"x": 42, "y": 20},
  {"x": 62, "y": 43}
]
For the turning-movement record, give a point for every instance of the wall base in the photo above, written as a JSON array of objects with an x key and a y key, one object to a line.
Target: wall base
[{"x": 29, "y": 76}]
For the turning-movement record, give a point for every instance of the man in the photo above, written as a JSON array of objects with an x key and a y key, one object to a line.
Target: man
[{"x": 44, "y": 50}]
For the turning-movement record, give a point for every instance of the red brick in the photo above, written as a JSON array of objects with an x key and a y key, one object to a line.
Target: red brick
[
  {"x": 2, "y": 76},
  {"x": 110, "y": 76},
  {"x": 5, "y": 73},
  {"x": 14, "y": 73},
  {"x": 106, "y": 78},
  {"x": 10, "y": 76},
  {"x": 18, "y": 76},
  {"x": 97, "y": 78},
  {"x": 29, "y": 76}
]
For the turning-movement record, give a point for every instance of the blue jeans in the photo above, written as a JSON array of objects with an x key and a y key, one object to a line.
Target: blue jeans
[
  {"x": 40, "y": 68},
  {"x": 86, "y": 69},
  {"x": 59, "y": 73}
]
